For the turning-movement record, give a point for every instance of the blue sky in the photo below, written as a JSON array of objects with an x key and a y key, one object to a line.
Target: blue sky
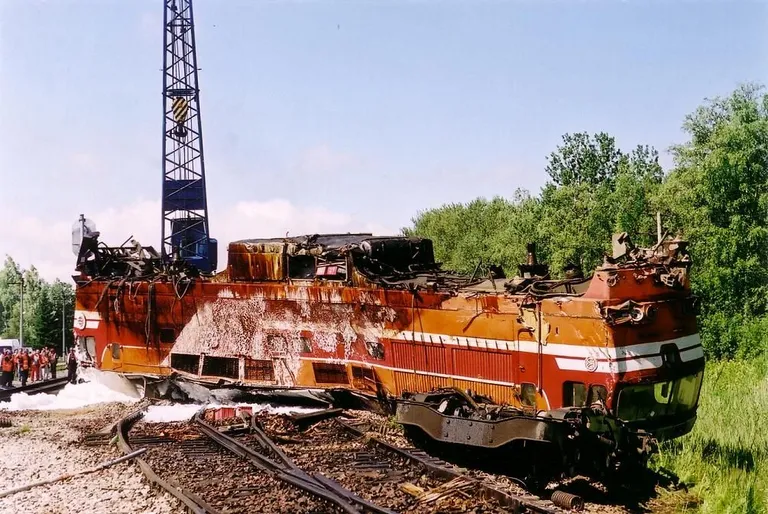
[{"x": 338, "y": 115}]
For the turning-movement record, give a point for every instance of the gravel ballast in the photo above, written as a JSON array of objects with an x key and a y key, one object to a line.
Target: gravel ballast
[{"x": 45, "y": 444}]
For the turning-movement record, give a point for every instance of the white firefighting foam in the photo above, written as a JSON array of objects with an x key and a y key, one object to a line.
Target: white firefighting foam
[
  {"x": 98, "y": 387},
  {"x": 184, "y": 412},
  {"x": 227, "y": 327}
]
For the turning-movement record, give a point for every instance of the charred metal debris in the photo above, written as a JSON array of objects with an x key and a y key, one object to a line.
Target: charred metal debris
[
  {"x": 387, "y": 262},
  {"x": 129, "y": 261}
]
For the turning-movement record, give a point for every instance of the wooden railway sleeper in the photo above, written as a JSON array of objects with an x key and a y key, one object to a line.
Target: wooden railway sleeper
[
  {"x": 289, "y": 472},
  {"x": 514, "y": 502}
]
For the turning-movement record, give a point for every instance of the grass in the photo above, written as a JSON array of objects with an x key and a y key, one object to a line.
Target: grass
[{"x": 725, "y": 458}]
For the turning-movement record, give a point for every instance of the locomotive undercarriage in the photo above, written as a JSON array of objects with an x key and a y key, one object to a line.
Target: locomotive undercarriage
[{"x": 538, "y": 447}]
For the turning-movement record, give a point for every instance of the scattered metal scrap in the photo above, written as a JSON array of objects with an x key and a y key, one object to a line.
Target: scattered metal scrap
[{"x": 128, "y": 262}]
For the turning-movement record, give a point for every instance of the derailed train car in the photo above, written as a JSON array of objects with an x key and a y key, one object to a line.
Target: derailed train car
[{"x": 588, "y": 372}]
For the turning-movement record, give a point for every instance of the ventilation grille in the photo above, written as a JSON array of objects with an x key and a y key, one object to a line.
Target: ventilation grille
[{"x": 260, "y": 370}]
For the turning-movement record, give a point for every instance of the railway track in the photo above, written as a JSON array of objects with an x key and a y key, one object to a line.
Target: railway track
[
  {"x": 403, "y": 479},
  {"x": 214, "y": 473},
  {"x": 505, "y": 492},
  {"x": 47, "y": 386},
  {"x": 247, "y": 471}
]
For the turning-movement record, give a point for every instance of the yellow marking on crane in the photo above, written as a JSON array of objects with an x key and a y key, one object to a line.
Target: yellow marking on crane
[{"x": 180, "y": 108}]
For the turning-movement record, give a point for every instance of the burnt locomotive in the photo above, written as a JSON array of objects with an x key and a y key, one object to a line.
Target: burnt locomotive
[{"x": 587, "y": 372}]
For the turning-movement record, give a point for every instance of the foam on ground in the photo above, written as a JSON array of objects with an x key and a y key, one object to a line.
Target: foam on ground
[
  {"x": 97, "y": 387},
  {"x": 184, "y": 412},
  {"x": 169, "y": 413}
]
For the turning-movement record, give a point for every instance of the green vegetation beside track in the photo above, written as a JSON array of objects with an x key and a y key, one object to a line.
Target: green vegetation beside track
[{"x": 724, "y": 460}]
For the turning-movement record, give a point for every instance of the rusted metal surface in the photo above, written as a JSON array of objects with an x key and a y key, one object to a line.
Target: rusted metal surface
[
  {"x": 380, "y": 316},
  {"x": 566, "y": 500},
  {"x": 478, "y": 432}
]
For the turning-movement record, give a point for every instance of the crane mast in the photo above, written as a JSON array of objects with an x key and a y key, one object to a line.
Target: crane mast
[{"x": 185, "y": 231}]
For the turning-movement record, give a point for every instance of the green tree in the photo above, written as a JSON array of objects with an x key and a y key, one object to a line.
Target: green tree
[
  {"x": 583, "y": 159},
  {"x": 492, "y": 231},
  {"x": 42, "y": 306},
  {"x": 10, "y": 295},
  {"x": 596, "y": 191},
  {"x": 717, "y": 195}
]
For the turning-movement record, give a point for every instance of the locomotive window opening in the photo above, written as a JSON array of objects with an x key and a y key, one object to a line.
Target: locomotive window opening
[
  {"x": 167, "y": 335},
  {"x": 186, "y": 362},
  {"x": 115, "y": 351},
  {"x": 326, "y": 373},
  {"x": 363, "y": 377},
  {"x": 574, "y": 394},
  {"x": 306, "y": 344},
  {"x": 528, "y": 394},
  {"x": 221, "y": 367},
  {"x": 332, "y": 270},
  {"x": 362, "y": 373},
  {"x": 90, "y": 346},
  {"x": 663, "y": 392},
  {"x": 375, "y": 349},
  {"x": 597, "y": 393},
  {"x": 649, "y": 401},
  {"x": 301, "y": 267},
  {"x": 688, "y": 390}
]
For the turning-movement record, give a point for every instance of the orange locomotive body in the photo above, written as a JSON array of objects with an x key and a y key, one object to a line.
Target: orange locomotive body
[{"x": 379, "y": 316}]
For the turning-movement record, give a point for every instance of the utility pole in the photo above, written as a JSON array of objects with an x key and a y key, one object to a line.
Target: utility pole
[
  {"x": 63, "y": 329},
  {"x": 658, "y": 227},
  {"x": 21, "y": 313},
  {"x": 21, "y": 308}
]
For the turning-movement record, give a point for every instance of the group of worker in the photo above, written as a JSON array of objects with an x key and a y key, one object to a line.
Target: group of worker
[{"x": 23, "y": 365}]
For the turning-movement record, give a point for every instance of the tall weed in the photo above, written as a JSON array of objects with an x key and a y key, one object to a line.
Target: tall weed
[{"x": 725, "y": 457}]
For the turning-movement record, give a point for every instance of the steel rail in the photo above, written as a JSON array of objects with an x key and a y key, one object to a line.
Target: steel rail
[
  {"x": 505, "y": 499},
  {"x": 123, "y": 427},
  {"x": 287, "y": 471},
  {"x": 38, "y": 387}
]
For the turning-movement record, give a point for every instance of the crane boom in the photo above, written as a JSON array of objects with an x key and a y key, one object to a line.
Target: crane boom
[{"x": 185, "y": 231}]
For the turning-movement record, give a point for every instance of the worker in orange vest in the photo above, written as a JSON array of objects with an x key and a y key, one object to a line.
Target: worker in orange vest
[
  {"x": 35, "y": 367},
  {"x": 44, "y": 369},
  {"x": 7, "y": 367},
  {"x": 16, "y": 365},
  {"x": 24, "y": 367}
]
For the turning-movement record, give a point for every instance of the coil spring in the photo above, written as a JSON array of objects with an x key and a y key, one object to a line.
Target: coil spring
[{"x": 567, "y": 500}]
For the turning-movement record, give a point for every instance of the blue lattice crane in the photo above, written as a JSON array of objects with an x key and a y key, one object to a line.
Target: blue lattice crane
[{"x": 185, "y": 233}]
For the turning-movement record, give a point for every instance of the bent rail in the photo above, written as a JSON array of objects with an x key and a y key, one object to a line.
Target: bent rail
[
  {"x": 123, "y": 427},
  {"x": 505, "y": 499},
  {"x": 288, "y": 472}
]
